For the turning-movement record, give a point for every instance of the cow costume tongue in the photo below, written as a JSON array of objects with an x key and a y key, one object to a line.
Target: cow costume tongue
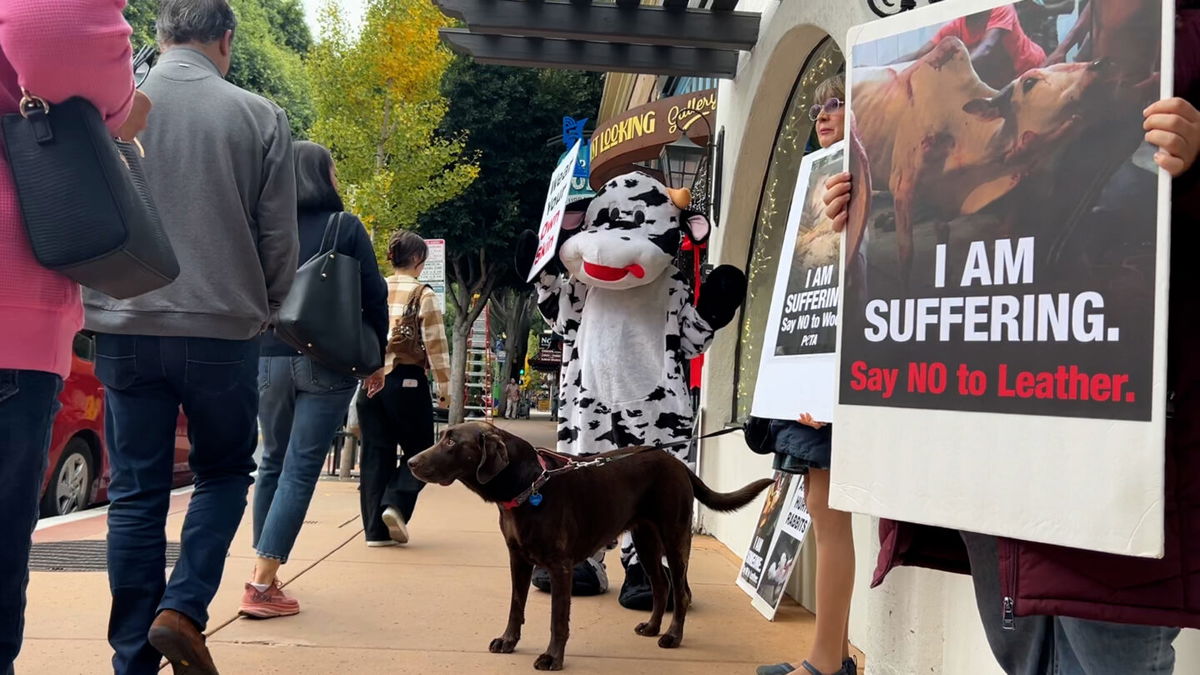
[{"x": 602, "y": 273}]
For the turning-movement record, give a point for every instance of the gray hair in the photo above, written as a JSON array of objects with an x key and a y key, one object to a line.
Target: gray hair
[{"x": 203, "y": 21}]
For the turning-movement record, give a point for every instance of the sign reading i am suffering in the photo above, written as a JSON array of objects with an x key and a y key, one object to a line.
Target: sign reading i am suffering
[
  {"x": 553, "y": 211},
  {"x": 798, "y": 369},
  {"x": 1002, "y": 365}
]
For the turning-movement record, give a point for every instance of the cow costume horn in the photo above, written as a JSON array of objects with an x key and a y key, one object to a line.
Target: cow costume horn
[{"x": 680, "y": 197}]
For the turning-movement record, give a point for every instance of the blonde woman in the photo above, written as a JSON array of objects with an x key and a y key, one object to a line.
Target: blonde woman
[{"x": 804, "y": 447}]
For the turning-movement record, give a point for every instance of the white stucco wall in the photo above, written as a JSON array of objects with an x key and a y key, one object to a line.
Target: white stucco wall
[{"x": 919, "y": 621}]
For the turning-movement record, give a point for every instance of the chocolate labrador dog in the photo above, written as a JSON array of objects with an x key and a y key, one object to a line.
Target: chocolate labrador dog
[{"x": 555, "y": 511}]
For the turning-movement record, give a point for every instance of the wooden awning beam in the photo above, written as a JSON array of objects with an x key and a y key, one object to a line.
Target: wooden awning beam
[
  {"x": 534, "y": 52},
  {"x": 644, "y": 25}
]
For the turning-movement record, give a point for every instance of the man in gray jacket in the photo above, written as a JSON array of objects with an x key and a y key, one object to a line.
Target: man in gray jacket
[{"x": 220, "y": 168}]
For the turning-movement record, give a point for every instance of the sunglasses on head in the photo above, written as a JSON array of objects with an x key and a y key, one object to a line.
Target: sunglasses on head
[{"x": 828, "y": 107}]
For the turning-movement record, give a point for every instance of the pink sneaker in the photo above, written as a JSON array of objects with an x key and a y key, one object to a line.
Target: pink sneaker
[{"x": 268, "y": 604}]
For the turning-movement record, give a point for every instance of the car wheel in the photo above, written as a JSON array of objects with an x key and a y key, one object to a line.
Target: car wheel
[{"x": 70, "y": 488}]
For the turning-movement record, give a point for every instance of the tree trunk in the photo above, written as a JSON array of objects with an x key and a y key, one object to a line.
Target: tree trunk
[
  {"x": 468, "y": 296},
  {"x": 458, "y": 371},
  {"x": 517, "y": 331},
  {"x": 513, "y": 308}
]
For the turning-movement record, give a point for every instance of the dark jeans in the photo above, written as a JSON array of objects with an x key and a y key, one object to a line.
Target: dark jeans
[
  {"x": 146, "y": 380},
  {"x": 1061, "y": 645},
  {"x": 28, "y": 403},
  {"x": 399, "y": 415},
  {"x": 301, "y": 406}
]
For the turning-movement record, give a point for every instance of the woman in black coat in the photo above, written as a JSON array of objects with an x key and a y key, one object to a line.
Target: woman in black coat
[{"x": 301, "y": 403}]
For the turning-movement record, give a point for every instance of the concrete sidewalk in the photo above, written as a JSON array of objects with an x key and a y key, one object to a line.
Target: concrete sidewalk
[{"x": 429, "y": 607}]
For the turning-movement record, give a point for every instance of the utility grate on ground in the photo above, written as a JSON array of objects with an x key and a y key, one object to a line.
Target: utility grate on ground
[{"x": 87, "y": 555}]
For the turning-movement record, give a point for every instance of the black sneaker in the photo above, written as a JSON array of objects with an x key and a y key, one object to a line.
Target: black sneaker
[
  {"x": 588, "y": 578},
  {"x": 636, "y": 593}
]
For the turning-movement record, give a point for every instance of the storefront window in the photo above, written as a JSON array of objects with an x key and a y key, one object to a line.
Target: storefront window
[{"x": 794, "y": 140}]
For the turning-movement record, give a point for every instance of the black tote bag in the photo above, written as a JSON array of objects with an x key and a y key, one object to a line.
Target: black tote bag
[
  {"x": 84, "y": 201},
  {"x": 322, "y": 314}
]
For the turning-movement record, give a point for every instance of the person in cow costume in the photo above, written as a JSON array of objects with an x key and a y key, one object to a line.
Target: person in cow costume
[{"x": 629, "y": 328}]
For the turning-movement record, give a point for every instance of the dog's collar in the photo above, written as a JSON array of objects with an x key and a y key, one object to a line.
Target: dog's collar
[{"x": 533, "y": 494}]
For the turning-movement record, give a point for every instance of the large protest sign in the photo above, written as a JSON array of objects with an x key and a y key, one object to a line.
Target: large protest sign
[
  {"x": 557, "y": 198},
  {"x": 798, "y": 368},
  {"x": 1002, "y": 362},
  {"x": 773, "y": 553}
]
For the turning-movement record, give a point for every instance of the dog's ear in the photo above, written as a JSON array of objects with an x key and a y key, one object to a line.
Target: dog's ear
[{"x": 494, "y": 459}]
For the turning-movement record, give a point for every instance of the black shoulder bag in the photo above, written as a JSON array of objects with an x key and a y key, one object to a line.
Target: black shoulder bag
[
  {"x": 84, "y": 201},
  {"x": 322, "y": 314}
]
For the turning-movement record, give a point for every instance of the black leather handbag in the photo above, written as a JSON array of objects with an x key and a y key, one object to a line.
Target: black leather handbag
[
  {"x": 322, "y": 314},
  {"x": 84, "y": 201}
]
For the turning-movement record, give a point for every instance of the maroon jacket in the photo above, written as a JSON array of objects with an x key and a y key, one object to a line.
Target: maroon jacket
[{"x": 1052, "y": 580}]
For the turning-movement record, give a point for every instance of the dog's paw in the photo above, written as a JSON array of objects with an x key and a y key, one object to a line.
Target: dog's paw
[
  {"x": 548, "y": 662},
  {"x": 669, "y": 641},
  {"x": 648, "y": 629},
  {"x": 502, "y": 645}
]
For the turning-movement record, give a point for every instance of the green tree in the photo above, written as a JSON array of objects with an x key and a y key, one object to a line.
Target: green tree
[
  {"x": 508, "y": 115},
  {"x": 378, "y": 108},
  {"x": 267, "y": 49}
]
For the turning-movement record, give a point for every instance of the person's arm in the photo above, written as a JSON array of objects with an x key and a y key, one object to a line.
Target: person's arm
[
  {"x": 66, "y": 48},
  {"x": 278, "y": 231},
  {"x": 1083, "y": 26},
  {"x": 928, "y": 47},
  {"x": 374, "y": 288},
  {"x": 990, "y": 47},
  {"x": 437, "y": 348},
  {"x": 952, "y": 29}
]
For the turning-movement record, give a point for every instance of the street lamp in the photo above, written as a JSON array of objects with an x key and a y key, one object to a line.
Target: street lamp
[{"x": 683, "y": 161}]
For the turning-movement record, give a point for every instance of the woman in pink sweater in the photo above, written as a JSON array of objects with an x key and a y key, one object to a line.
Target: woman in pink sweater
[{"x": 55, "y": 49}]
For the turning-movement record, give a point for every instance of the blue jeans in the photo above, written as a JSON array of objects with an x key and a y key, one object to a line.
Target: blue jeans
[
  {"x": 146, "y": 380},
  {"x": 1060, "y": 645},
  {"x": 301, "y": 406},
  {"x": 28, "y": 403}
]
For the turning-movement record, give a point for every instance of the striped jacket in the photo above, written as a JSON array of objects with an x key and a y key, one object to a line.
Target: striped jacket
[{"x": 433, "y": 328}]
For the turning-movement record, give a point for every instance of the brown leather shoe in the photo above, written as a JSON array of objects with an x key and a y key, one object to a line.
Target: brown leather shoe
[{"x": 176, "y": 637}]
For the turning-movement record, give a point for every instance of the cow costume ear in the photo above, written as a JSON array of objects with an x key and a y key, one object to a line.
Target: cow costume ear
[
  {"x": 576, "y": 212},
  {"x": 494, "y": 459},
  {"x": 696, "y": 225},
  {"x": 992, "y": 108}
]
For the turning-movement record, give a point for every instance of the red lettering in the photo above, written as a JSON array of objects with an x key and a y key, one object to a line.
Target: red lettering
[
  {"x": 1025, "y": 384},
  {"x": 858, "y": 375},
  {"x": 1003, "y": 390},
  {"x": 927, "y": 378}
]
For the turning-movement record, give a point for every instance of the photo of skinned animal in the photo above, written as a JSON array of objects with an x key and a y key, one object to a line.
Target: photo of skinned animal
[{"x": 1014, "y": 218}]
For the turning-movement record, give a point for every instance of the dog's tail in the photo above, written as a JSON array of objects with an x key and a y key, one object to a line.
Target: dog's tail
[{"x": 727, "y": 501}]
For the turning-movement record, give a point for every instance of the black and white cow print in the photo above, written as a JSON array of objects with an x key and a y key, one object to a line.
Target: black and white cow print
[
  {"x": 626, "y": 316},
  {"x": 627, "y": 320}
]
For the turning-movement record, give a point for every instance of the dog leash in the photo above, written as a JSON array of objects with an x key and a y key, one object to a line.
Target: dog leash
[{"x": 533, "y": 494}]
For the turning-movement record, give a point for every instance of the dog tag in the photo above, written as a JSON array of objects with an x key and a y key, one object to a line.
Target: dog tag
[
  {"x": 409, "y": 384},
  {"x": 535, "y": 499}
]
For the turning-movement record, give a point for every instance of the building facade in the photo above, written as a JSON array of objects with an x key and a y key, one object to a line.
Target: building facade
[{"x": 919, "y": 621}]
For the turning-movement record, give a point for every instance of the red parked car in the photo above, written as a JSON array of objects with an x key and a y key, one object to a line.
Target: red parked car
[{"x": 78, "y": 474}]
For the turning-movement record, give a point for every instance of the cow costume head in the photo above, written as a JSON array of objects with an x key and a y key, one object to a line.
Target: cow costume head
[{"x": 629, "y": 233}]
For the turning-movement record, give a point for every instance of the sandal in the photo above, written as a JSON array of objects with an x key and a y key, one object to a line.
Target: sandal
[{"x": 777, "y": 669}]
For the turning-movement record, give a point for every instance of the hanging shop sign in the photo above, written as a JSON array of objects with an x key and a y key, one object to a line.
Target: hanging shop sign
[{"x": 639, "y": 134}]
